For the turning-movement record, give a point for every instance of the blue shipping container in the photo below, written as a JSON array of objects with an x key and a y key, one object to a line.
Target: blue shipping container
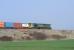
[{"x": 8, "y": 24}]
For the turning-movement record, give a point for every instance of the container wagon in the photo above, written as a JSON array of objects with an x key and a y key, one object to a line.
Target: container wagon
[
  {"x": 8, "y": 25},
  {"x": 25, "y": 25},
  {"x": 1, "y": 24},
  {"x": 17, "y": 25}
]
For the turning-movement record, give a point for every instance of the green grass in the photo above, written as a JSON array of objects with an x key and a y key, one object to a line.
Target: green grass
[{"x": 38, "y": 45}]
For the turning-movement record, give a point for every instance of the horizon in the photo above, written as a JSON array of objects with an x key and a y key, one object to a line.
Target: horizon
[{"x": 58, "y": 13}]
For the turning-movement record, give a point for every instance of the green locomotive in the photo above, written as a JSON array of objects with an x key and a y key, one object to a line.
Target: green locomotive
[{"x": 39, "y": 26}]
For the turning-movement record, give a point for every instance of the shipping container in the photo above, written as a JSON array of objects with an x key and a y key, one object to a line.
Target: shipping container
[
  {"x": 25, "y": 25},
  {"x": 8, "y": 25},
  {"x": 1, "y": 24},
  {"x": 17, "y": 25}
]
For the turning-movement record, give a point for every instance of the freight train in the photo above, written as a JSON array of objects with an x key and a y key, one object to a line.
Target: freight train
[{"x": 24, "y": 25}]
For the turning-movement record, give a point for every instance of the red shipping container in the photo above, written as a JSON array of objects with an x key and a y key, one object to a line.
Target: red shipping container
[
  {"x": 17, "y": 25},
  {"x": 1, "y": 24}
]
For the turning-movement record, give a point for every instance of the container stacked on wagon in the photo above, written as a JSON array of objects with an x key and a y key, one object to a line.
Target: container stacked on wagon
[
  {"x": 17, "y": 25},
  {"x": 1, "y": 24},
  {"x": 8, "y": 25}
]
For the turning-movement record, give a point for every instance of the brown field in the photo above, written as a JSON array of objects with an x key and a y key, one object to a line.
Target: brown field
[{"x": 19, "y": 34}]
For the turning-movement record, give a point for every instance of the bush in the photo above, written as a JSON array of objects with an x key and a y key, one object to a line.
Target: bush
[
  {"x": 6, "y": 38},
  {"x": 58, "y": 36},
  {"x": 28, "y": 38},
  {"x": 38, "y": 36}
]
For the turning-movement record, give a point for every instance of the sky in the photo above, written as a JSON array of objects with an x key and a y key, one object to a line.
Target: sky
[{"x": 58, "y": 13}]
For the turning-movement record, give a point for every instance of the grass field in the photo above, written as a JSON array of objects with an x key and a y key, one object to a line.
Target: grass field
[{"x": 38, "y": 45}]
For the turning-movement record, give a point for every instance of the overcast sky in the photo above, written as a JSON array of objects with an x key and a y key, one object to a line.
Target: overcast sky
[{"x": 58, "y": 13}]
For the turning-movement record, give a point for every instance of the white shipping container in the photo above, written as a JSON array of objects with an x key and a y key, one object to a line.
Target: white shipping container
[{"x": 25, "y": 25}]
